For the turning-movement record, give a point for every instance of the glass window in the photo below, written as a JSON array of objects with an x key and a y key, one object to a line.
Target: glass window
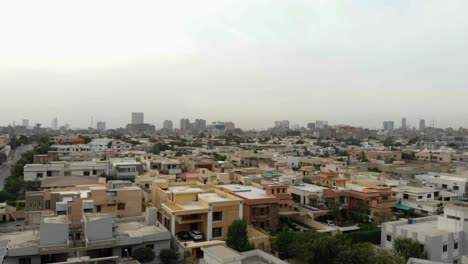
[
  {"x": 218, "y": 232},
  {"x": 217, "y": 216},
  {"x": 444, "y": 248},
  {"x": 389, "y": 238}
]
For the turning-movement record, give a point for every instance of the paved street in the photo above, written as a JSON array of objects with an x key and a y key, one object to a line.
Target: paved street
[{"x": 5, "y": 168}]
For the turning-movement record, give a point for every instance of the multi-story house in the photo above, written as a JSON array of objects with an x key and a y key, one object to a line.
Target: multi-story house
[
  {"x": 62, "y": 168},
  {"x": 444, "y": 236},
  {"x": 125, "y": 167},
  {"x": 83, "y": 238},
  {"x": 260, "y": 208},
  {"x": 444, "y": 181}
]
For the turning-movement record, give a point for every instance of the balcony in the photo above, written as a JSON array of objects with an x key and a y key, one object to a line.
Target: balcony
[{"x": 189, "y": 219}]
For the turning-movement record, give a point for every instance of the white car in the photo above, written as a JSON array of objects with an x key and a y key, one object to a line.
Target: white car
[{"x": 196, "y": 235}]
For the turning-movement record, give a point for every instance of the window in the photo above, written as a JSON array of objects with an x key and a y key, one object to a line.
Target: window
[
  {"x": 85, "y": 173},
  {"x": 39, "y": 175},
  {"x": 94, "y": 172},
  {"x": 121, "y": 206},
  {"x": 24, "y": 261},
  {"x": 429, "y": 196},
  {"x": 455, "y": 245},
  {"x": 405, "y": 196},
  {"x": 47, "y": 204},
  {"x": 217, "y": 216},
  {"x": 444, "y": 186},
  {"x": 455, "y": 188},
  {"x": 384, "y": 197},
  {"x": 98, "y": 208},
  {"x": 420, "y": 197},
  {"x": 49, "y": 174},
  {"x": 389, "y": 238},
  {"x": 218, "y": 232},
  {"x": 444, "y": 248}
]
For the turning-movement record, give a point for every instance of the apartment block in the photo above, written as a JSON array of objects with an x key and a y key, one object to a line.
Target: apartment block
[{"x": 444, "y": 181}]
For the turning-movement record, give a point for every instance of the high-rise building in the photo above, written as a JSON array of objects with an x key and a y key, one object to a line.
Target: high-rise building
[
  {"x": 25, "y": 122},
  {"x": 403, "y": 123},
  {"x": 422, "y": 124},
  {"x": 185, "y": 124},
  {"x": 167, "y": 125},
  {"x": 310, "y": 125},
  {"x": 230, "y": 125},
  {"x": 320, "y": 124},
  {"x": 55, "y": 123},
  {"x": 199, "y": 125},
  {"x": 284, "y": 124},
  {"x": 138, "y": 118},
  {"x": 101, "y": 126},
  {"x": 388, "y": 125}
]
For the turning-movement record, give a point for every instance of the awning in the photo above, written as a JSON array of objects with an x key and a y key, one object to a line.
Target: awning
[{"x": 402, "y": 207}]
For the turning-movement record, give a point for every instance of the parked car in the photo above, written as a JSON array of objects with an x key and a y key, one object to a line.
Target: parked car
[
  {"x": 294, "y": 227},
  {"x": 330, "y": 223},
  {"x": 196, "y": 235},
  {"x": 183, "y": 235}
]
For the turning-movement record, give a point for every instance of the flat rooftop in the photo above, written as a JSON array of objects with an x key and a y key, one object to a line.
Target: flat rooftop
[
  {"x": 212, "y": 197},
  {"x": 21, "y": 239},
  {"x": 308, "y": 188},
  {"x": 248, "y": 192},
  {"x": 426, "y": 226},
  {"x": 185, "y": 189},
  {"x": 68, "y": 181},
  {"x": 137, "y": 229},
  {"x": 413, "y": 189}
]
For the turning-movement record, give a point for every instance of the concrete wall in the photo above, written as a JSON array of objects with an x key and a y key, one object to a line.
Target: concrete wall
[
  {"x": 97, "y": 230},
  {"x": 53, "y": 234}
]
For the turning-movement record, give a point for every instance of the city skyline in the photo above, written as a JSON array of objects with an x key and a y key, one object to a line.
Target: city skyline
[{"x": 348, "y": 62}]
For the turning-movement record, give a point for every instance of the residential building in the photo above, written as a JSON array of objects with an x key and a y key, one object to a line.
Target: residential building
[
  {"x": 283, "y": 124},
  {"x": 221, "y": 254},
  {"x": 25, "y": 122},
  {"x": 444, "y": 236},
  {"x": 369, "y": 198},
  {"x": 199, "y": 125},
  {"x": 93, "y": 237},
  {"x": 101, "y": 126},
  {"x": 260, "y": 209},
  {"x": 388, "y": 125},
  {"x": 167, "y": 125},
  {"x": 229, "y": 125},
  {"x": 404, "y": 125},
  {"x": 321, "y": 124},
  {"x": 55, "y": 123},
  {"x": 311, "y": 125},
  {"x": 34, "y": 172},
  {"x": 100, "y": 144},
  {"x": 192, "y": 206},
  {"x": 185, "y": 124},
  {"x": 125, "y": 167},
  {"x": 444, "y": 181},
  {"x": 138, "y": 118},
  {"x": 422, "y": 124},
  {"x": 164, "y": 165}
]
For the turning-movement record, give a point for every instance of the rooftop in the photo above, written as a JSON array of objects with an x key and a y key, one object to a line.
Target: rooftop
[
  {"x": 213, "y": 197},
  {"x": 185, "y": 189},
  {"x": 248, "y": 192},
  {"x": 308, "y": 187},
  {"x": 21, "y": 239},
  {"x": 137, "y": 229}
]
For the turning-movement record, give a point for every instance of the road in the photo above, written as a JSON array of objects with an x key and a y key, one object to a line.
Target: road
[{"x": 15, "y": 155}]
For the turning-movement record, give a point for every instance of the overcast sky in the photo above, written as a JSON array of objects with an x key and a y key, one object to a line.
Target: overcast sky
[{"x": 352, "y": 62}]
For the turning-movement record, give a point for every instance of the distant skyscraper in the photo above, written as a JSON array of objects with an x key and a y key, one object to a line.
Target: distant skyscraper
[
  {"x": 167, "y": 125},
  {"x": 310, "y": 125},
  {"x": 184, "y": 124},
  {"x": 199, "y": 125},
  {"x": 388, "y": 125},
  {"x": 230, "y": 125},
  {"x": 403, "y": 122},
  {"x": 55, "y": 123},
  {"x": 138, "y": 118},
  {"x": 25, "y": 122},
  {"x": 282, "y": 124},
  {"x": 422, "y": 124},
  {"x": 101, "y": 126},
  {"x": 319, "y": 124}
]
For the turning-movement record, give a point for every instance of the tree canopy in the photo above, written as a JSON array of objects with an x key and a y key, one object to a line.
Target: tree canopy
[{"x": 237, "y": 237}]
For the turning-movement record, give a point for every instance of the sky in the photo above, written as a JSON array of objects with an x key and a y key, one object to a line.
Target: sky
[{"x": 355, "y": 62}]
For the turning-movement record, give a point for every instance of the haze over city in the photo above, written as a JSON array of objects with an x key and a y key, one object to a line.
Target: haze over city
[{"x": 252, "y": 62}]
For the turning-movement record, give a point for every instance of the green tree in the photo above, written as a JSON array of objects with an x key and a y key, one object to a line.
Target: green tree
[
  {"x": 143, "y": 254},
  {"x": 381, "y": 216},
  {"x": 336, "y": 211},
  {"x": 440, "y": 209},
  {"x": 324, "y": 250},
  {"x": 284, "y": 244},
  {"x": 168, "y": 256},
  {"x": 361, "y": 253},
  {"x": 383, "y": 256},
  {"x": 237, "y": 237},
  {"x": 409, "y": 248}
]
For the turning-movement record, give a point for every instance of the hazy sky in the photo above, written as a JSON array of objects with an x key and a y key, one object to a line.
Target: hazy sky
[{"x": 346, "y": 61}]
